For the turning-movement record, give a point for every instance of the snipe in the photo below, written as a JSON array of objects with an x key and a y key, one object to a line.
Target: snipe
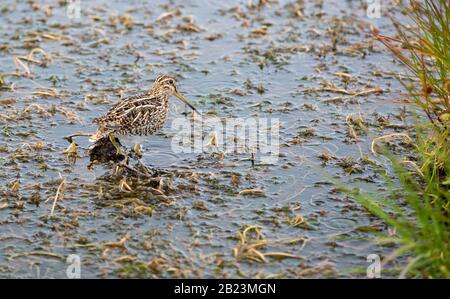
[{"x": 142, "y": 114}]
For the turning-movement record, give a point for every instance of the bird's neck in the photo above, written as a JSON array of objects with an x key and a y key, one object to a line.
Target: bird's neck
[{"x": 158, "y": 91}]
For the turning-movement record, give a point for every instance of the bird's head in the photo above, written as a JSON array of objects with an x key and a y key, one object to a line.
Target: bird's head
[{"x": 168, "y": 85}]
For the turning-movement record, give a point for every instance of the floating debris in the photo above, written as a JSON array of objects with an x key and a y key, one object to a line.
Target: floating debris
[
  {"x": 58, "y": 196},
  {"x": 252, "y": 192},
  {"x": 394, "y": 135},
  {"x": 249, "y": 248}
]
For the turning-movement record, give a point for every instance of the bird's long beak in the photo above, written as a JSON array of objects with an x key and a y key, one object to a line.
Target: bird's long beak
[{"x": 183, "y": 99}]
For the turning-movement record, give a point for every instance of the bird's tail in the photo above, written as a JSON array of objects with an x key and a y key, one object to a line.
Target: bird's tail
[{"x": 96, "y": 136}]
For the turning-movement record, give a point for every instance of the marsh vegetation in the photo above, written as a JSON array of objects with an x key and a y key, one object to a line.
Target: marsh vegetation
[{"x": 321, "y": 67}]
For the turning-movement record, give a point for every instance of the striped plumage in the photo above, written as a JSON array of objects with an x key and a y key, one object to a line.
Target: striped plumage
[{"x": 142, "y": 114}]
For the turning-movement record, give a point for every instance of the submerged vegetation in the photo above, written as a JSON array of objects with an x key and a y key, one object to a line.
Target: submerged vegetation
[{"x": 418, "y": 208}]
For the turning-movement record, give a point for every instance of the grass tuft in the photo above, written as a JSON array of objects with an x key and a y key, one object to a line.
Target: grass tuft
[{"x": 417, "y": 209}]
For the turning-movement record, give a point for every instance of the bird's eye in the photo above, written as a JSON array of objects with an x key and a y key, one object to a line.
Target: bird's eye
[{"x": 171, "y": 81}]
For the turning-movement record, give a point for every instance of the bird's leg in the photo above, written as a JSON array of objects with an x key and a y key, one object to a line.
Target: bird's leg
[
  {"x": 137, "y": 150},
  {"x": 116, "y": 145}
]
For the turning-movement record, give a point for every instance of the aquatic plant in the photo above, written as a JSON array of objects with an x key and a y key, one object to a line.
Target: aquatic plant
[{"x": 417, "y": 212}]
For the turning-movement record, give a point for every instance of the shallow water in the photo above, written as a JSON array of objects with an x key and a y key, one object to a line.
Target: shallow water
[{"x": 194, "y": 225}]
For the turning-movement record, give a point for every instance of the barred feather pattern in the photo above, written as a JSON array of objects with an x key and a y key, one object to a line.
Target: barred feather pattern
[{"x": 143, "y": 114}]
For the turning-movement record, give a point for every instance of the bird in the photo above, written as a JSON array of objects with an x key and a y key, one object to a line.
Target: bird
[{"x": 142, "y": 114}]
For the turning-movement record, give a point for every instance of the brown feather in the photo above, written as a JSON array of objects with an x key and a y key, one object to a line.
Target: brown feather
[{"x": 142, "y": 114}]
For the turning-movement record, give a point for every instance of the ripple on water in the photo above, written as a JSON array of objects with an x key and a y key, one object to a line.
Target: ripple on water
[
  {"x": 161, "y": 159},
  {"x": 340, "y": 223},
  {"x": 316, "y": 202}
]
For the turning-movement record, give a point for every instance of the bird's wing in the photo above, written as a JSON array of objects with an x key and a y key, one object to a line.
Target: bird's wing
[{"x": 126, "y": 111}]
